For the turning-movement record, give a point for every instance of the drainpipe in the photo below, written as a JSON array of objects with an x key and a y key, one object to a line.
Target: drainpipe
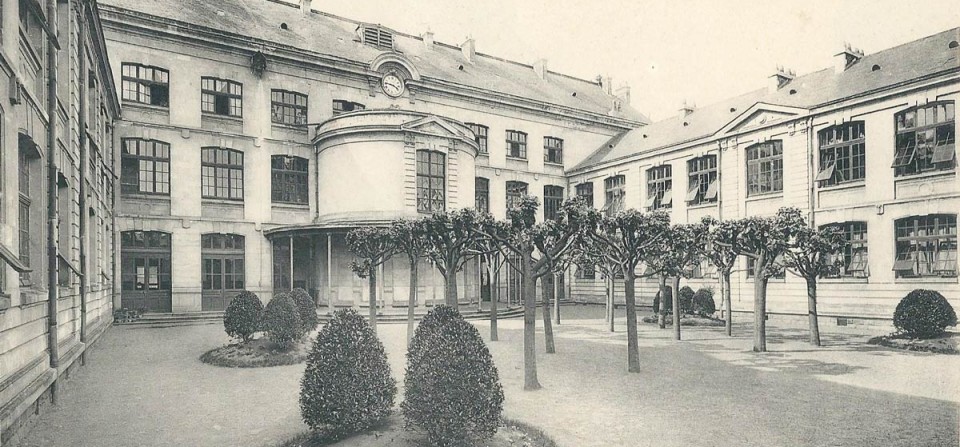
[
  {"x": 84, "y": 165},
  {"x": 810, "y": 175},
  {"x": 52, "y": 196}
]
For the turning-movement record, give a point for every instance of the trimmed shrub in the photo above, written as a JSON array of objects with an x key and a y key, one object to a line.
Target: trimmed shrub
[
  {"x": 686, "y": 300},
  {"x": 306, "y": 308},
  {"x": 243, "y": 316},
  {"x": 669, "y": 302},
  {"x": 703, "y": 303},
  {"x": 281, "y": 320},
  {"x": 924, "y": 314},
  {"x": 347, "y": 386},
  {"x": 453, "y": 391}
]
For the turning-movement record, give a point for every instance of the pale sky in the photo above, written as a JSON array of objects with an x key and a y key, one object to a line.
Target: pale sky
[{"x": 667, "y": 50}]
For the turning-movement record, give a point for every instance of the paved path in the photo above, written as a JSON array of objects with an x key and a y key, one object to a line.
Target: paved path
[{"x": 146, "y": 386}]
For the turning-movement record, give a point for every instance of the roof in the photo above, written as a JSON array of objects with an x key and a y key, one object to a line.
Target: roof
[
  {"x": 334, "y": 36},
  {"x": 914, "y": 60}
]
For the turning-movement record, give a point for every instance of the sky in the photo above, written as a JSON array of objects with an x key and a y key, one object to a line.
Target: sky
[{"x": 668, "y": 51}]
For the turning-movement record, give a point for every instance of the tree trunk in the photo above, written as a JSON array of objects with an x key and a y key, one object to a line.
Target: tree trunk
[
  {"x": 557, "y": 297},
  {"x": 372, "y": 281},
  {"x": 812, "y": 310},
  {"x": 494, "y": 298},
  {"x": 612, "y": 309},
  {"x": 759, "y": 311},
  {"x": 450, "y": 288},
  {"x": 530, "y": 382},
  {"x": 662, "y": 311},
  {"x": 547, "y": 326},
  {"x": 633, "y": 348},
  {"x": 676, "y": 308},
  {"x": 412, "y": 300},
  {"x": 727, "y": 303}
]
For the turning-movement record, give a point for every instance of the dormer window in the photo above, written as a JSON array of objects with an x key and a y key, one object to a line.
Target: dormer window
[{"x": 376, "y": 36}]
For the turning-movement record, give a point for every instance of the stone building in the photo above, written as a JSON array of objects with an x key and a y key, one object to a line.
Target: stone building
[{"x": 57, "y": 175}]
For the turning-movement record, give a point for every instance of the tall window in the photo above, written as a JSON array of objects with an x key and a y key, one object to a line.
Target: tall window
[
  {"x": 765, "y": 168},
  {"x": 145, "y": 84},
  {"x": 144, "y": 167},
  {"x": 553, "y": 150},
  {"x": 615, "y": 189},
  {"x": 431, "y": 182},
  {"x": 480, "y": 131},
  {"x": 585, "y": 190},
  {"x": 926, "y": 138},
  {"x": 516, "y": 144},
  {"x": 926, "y": 246},
  {"x": 25, "y": 161},
  {"x": 289, "y": 177},
  {"x": 221, "y": 97},
  {"x": 482, "y": 194},
  {"x": 288, "y": 107},
  {"x": 660, "y": 187},
  {"x": 702, "y": 184},
  {"x": 842, "y": 154},
  {"x": 853, "y": 259},
  {"x": 552, "y": 201},
  {"x": 341, "y": 106},
  {"x": 515, "y": 190},
  {"x": 222, "y": 173},
  {"x": 223, "y": 261}
]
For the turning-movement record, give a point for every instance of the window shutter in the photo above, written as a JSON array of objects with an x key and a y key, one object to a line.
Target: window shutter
[
  {"x": 826, "y": 173},
  {"x": 944, "y": 153},
  {"x": 693, "y": 191}
]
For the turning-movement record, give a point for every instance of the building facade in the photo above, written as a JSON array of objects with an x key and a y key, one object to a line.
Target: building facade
[
  {"x": 57, "y": 177},
  {"x": 868, "y": 146}
]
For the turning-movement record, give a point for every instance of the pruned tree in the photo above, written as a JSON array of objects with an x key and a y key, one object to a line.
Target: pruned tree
[
  {"x": 722, "y": 249},
  {"x": 673, "y": 257},
  {"x": 766, "y": 240},
  {"x": 495, "y": 261},
  {"x": 374, "y": 247},
  {"x": 451, "y": 241},
  {"x": 811, "y": 256},
  {"x": 589, "y": 254},
  {"x": 409, "y": 237},
  {"x": 626, "y": 240}
]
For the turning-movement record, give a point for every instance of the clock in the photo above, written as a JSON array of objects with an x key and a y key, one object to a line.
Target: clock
[{"x": 392, "y": 84}]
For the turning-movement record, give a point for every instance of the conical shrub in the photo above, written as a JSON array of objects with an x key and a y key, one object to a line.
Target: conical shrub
[
  {"x": 307, "y": 309},
  {"x": 242, "y": 317},
  {"x": 281, "y": 320}
]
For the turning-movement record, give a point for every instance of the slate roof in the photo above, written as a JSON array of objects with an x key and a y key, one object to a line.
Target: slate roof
[
  {"x": 911, "y": 61},
  {"x": 334, "y": 36}
]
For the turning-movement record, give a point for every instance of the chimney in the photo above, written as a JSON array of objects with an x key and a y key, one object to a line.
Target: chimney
[
  {"x": 469, "y": 50},
  {"x": 428, "y": 40},
  {"x": 540, "y": 67},
  {"x": 623, "y": 92},
  {"x": 607, "y": 84},
  {"x": 305, "y": 6},
  {"x": 780, "y": 78},
  {"x": 844, "y": 59},
  {"x": 687, "y": 108}
]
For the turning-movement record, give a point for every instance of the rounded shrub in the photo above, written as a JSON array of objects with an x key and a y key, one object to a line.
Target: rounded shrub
[
  {"x": 703, "y": 303},
  {"x": 243, "y": 316},
  {"x": 668, "y": 304},
  {"x": 347, "y": 385},
  {"x": 686, "y": 300},
  {"x": 453, "y": 391},
  {"x": 306, "y": 308},
  {"x": 924, "y": 314},
  {"x": 281, "y": 320}
]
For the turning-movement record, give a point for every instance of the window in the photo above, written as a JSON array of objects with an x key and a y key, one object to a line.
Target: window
[
  {"x": 281, "y": 263},
  {"x": 288, "y": 108},
  {"x": 703, "y": 269},
  {"x": 702, "y": 184},
  {"x": 221, "y": 97},
  {"x": 585, "y": 190},
  {"x": 926, "y": 246},
  {"x": 614, "y": 194},
  {"x": 842, "y": 154},
  {"x": 552, "y": 201},
  {"x": 587, "y": 271},
  {"x": 145, "y": 84},
  {"x": 27, "y": 166},
  {"x": 341, "y": 106},
  {"x": 223, "y": 261},
  {"x": 482, "y": 195},
  {"x": 145, "y": 261},
  {"x": 431, "y": 180},
  {"x": 289, "y": 177},
  {"x": 377, "y": 37},
  {"x": 853, "y": 259},
  {"x": 552, "y": 150},
  {"x": 765, "y": 168},
  {"x": 222, "y": 173},
  {"x": 515, "y": 190},
  {"x": 660, "y": 187},
  {"x": 751, "y": 271},
  {"x": 144, "y": 167},
  {"x": 926, "y": 137},
  {"x": 516, "y": 144},
  {"x": 480, "y": 131}
]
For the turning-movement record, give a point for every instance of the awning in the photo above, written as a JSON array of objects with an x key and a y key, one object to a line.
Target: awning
[
  {"x": 13, "y": 260},
  {"x": 711, "y": 191},
  {"x": 693, "y": 191},
  {"x": 667, "y": 198},
  {"x": 28, "y": 145}
]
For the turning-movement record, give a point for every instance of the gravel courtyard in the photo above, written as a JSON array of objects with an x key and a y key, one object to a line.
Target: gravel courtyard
[{"x": 706, "y": 391}]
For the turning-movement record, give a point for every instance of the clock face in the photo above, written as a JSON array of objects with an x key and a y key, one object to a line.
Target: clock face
[{"x": 392, "y": 84}]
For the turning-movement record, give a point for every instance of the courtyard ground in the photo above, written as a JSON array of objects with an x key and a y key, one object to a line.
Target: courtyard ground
[{"x": 146, "y": 386}]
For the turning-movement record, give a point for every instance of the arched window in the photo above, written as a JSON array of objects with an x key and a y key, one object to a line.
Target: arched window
[
  {"x": 702, "y": 182},
  {"x": 660, "y": 187},
  {"x": 289, "y": 179},
  {"x": 765, "y": 168},
  {"x": 614, "y": 194},
  {"x": 431, "y": 181},
  {"x": 222, "y": 173},
  {"x": 853, "y": 260},
  {"x": 925, "y": 139},
  {"x": 926, "y": 246},
  {"x": 145, "y": 167},
  {"x": 842, "y": 154}
]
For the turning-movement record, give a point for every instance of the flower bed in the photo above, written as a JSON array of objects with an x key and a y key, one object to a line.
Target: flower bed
[
  {"x": 948, "y": 343},
  {"x": 687, "y": 320},
  {"x": 257, "y": 353}
]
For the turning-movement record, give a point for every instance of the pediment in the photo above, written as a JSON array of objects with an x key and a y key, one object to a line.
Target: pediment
[
  {"x": 434, "y": 125},
  {"x": 761, "y": 114}
]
